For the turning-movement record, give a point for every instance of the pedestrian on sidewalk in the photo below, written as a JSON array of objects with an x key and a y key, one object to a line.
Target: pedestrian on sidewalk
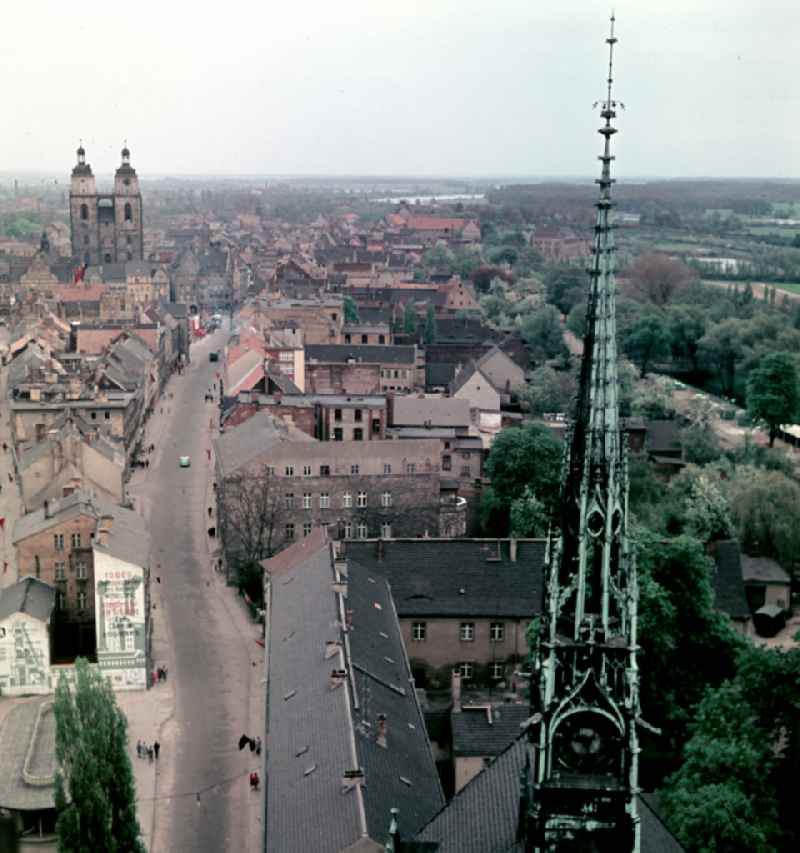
[
  {"x": 5, "y": 448},
  {"x": 139, "y": 747},
  {"x": 210, "y": 512},
  {"x": 150, "y": 754},
  {"x": 156, "y": 749},
  {"x": 165, "y": 673},
  {"x": 254, "y": 781},
  {"x": 258, "y": 745}
]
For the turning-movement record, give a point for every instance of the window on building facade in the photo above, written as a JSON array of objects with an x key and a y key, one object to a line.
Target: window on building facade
[
  {"x": 447, "y": 463},
  {"x": 386, "y": 530},
  {"x": 324, "y": 501},
  {"x": 387, "y": 468},
  {"x": 337, "y": 414},
  {"x": 76, "y": 540},
  {"x": 84, "y": 212},
  {"x": 81, "y": 570},
  {"x": 58, "y": 541},
  {"x": 467, "y": 631},
  {"x": 419, "y": 631},
  {"x": 128, "y": 212},
  {"x": 411, "y": 468},
  {"x": 81, "y": 600},
  {"x": 306, "y": 528},
  {"x": 288, "y": 500},
  {"x": 61, "y": 599},
  {"x": 347, "y": 500},
  {"x": 354, "y": 469},
  {"x": 324, "y": 470},
  {"x": 361, "y": 530},
  {"x": 386, "y": 499},
  {"x": 338, "y": 435},
  {"x": 361, "y": 500},
  {"x": 306, "y": 470},
  {"x": 376, "y": 425},
  {"x": 364, "y": 339},
  {"x": 61, "y": 571},
  {"x": 358, "y": 415},
  {"x": 466, "y": 670},
  {"x": 306, "y": 500},
  {"x": 497, "y": 671},
  {"x": 358, "y": 434},
  {"x": 348, "y": 339},
  {"x": 290, "y": 531},
  {"x": 289, "y": 470},
  {"x": 465, "y": 471},
  {"x": 381, "y": 339},
  {"x": 347, "y": 530},
  {"x": 497, "y": 632}
]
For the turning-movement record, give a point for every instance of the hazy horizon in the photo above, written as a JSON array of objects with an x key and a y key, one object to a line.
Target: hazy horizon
[{"x": 441, "y": 89}]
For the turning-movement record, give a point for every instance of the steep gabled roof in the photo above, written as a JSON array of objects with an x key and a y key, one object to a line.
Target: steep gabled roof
[
  {"x": 456, "y": 577},
  {"x": 318, "y": 731},
  {"x": 29, "y": 595}
]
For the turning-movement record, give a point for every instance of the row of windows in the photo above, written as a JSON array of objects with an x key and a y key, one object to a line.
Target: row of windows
[
  {"x": 61, "y": 600},
  {"x": 348, "y": 339},
  {"x": 497, "y": 670},
  {"x": 61, "y": 571},
  {"x": 128, "y": 213},
  {"x": 466, "y": 632},
  {"x": 58, "y": 541},
  {"x": 325, "y": 500},
  {"x": 387, "y": 373},
  {"x": 325, "y": 470},
  {"x": 347, "y": 529}
]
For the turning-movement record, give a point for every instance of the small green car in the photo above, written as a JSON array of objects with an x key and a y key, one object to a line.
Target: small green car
[{"x": 185, "y": 461}]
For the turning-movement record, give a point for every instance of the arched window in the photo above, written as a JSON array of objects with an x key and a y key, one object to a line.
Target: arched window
[
  {"x": 84, "y": 211},
  {"x": 128, "y": 212}
]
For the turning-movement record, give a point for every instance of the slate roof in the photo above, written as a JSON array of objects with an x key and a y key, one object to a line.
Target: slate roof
[
  {"x": 457, "y": 577},
  {"x": 464, "y": 375},
  {"x": 128, "y": 538},
  {"x": 29, "y": 595},
  {"x": 487, "y": 730},
  {"x": 21, "y": 744},
  {"x": 763, "y": 570},
  {"x": 368, "y": 353},
  {"x": 440, "y": 412},
  {"x": 482, "y": 817},
  {"x": 663, "y": 438},
  {"x": 315, "y": 732},
  {"x": 236, "y": 448},
  {"x": 729, "y": 595},
  {"x": 439, "y": 374}
]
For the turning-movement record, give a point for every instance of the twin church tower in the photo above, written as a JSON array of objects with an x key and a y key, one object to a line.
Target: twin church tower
[{"x": 106, "y": 228}]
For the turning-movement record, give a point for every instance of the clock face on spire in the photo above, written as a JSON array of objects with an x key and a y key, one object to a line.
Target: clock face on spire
[{"x": 587, "y": 743}]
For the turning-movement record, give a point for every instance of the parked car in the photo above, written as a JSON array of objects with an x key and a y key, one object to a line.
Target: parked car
[
  {"x": 213, "y": 355},
  {"x": 185, "y": 461}
]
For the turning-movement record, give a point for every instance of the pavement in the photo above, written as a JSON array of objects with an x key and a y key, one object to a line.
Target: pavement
[
  {"x": 10, "y": 498},
  {"x": 197, "y": 797}
]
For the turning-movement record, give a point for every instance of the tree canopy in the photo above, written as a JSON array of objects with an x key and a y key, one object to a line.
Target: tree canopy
[
  {"x": 543, "y": 334},
  {"x": 521, "y": 458},
  {"x": 773, "y": 397},
  {"x": 351, "y": 310},
  {"x": 95, "y": 790}
]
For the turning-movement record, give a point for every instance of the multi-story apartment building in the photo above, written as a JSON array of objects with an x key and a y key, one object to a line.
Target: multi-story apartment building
[{"x": 356, "y": 489}]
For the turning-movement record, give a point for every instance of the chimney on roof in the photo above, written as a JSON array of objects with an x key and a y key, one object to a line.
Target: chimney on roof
[
  {"x": 512, "y": 547},
  {"x": 455, "y": 690},
  {"x": 331, "y": 647},
  {"x": 383, "y": 729},
  {"x": 337, "y": 678},
  {"x": 104, "y": 524}
]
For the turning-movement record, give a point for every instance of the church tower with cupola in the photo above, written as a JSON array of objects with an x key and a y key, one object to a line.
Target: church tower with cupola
[
  {"x": 83, "y": 211},
  {"x": 105, "y": 228},
  {"x": 128, "y": 211},
  {"x": 581, "y": 784}
]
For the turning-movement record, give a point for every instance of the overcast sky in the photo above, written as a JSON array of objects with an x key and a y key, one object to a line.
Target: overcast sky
[{"x": 424, "y": 87}]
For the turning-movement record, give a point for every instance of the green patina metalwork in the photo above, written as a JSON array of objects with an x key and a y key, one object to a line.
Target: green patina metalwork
[{"x": 582, "y": 781}]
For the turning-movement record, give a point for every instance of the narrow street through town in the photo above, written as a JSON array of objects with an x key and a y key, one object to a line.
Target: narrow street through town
[{"x": 203, "y": 800}]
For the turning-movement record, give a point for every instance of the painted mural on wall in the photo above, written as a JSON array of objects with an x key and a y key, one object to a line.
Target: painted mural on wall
[
  {"x": 120, "y": 620},
  {"x": 24, "y": 657}
]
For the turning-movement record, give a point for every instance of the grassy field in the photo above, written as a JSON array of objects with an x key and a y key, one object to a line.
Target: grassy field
[
  {"x": 777, "y": 230},
  {"x": 792, "y": 286}
]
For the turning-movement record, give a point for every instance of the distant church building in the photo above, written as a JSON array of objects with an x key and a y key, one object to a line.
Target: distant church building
[{"x": 105, "y": 227}]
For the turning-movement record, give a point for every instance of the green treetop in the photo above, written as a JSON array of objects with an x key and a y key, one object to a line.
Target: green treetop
[
  {"x": 773, "y": 397},
  {"x": 95, "y": 790}
]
